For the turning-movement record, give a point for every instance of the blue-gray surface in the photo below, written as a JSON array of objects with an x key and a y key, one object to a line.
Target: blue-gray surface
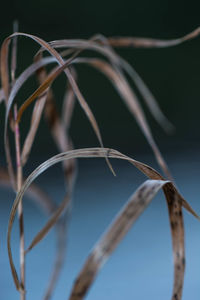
[{"x": 142, "y": 265}]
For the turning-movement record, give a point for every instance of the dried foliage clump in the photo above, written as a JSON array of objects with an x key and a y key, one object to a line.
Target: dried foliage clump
[{"x": 63, "y": 56}]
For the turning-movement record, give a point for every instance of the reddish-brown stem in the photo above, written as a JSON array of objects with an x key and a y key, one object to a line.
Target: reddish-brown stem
[{"x": 20, "y": 207}]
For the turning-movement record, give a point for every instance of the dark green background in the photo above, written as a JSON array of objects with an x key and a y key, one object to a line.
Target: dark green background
[{"x": 172, "y": 74}]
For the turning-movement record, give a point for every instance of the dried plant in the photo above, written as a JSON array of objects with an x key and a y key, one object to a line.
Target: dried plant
[{"x": 67, "y": 54}]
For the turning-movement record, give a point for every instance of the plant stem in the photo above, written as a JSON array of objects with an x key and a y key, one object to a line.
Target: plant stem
[{"x": 20, "y": 207}]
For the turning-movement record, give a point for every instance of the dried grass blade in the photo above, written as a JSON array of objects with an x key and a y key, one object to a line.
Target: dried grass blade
[
  {"x": 22, "y": 79},
  {"x": 2, "y": 97},
  {"x": 151, "y": 43},
  {"x": 148, "y": 98},
  {"x": 36, "y": 117},
  {"x": 17, "y": 84},
  {"x": 113, "y": 236},
  {"x": 58, "y": 131},
  {"x": 177, "y": 232},
  {"x": 61, "y": 236},
  {"x": 15, "y": 88},
  {"x": 62, "y": 140},
  {"x": 19, "y": 179},
  {"x": 64, "y": 144},
  {"x": 142, "y": 87},
  {"x": 4, "y": 69},
  {"x": 41, "y": 89},
  {"x": 14, "y": 52},
  {"x": 52, "y": 221},
  {"x": 187, "y": 207},
  {"x": 9, "y": 163},
  {"x": 131, "y": 101},
  {"x": 68, "y": 105},
  {"x": 44, "y": 202},
  {"x": 89, "y": 114},
  {"x": 169, "y": 190}
]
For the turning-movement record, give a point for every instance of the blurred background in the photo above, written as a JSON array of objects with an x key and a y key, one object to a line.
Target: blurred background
[{"x": 172, "y": 74}]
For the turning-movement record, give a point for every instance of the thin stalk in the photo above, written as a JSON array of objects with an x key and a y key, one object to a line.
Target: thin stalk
[{"x": 20, "y": 208}]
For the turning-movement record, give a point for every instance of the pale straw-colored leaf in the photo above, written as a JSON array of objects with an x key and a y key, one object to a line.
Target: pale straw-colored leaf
[{"x": 136, "y": 204}]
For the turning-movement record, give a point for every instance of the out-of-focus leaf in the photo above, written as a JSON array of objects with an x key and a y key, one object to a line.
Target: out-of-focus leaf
[
  {"x": 2, "y": 97},
  {"x": 36, "y": 117},
  {"x": 149, "y": 99},
  {"x": 68, "y": 105},
  {"x": 151, "y": 43},
  {"x": 14, "y": 52}
]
